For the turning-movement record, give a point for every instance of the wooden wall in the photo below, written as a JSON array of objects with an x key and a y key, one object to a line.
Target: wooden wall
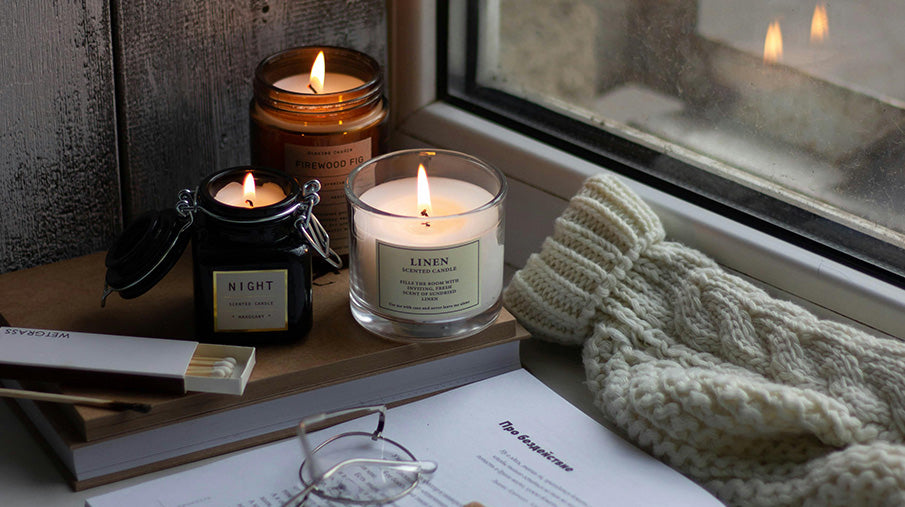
[
  {"x": 110, "y": 108},
  {"x": 59, "y": 192}
]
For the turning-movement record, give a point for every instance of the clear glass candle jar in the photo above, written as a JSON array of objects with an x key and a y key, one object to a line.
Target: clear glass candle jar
[
  {"x": 321, "y": 135},
  {"x": 426, "y": 272}
]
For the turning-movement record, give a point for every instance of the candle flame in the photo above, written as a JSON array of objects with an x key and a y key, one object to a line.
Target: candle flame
[
  {"x": 424, "y": 193},
  {"x": 248, "y": 187},
  {"x": 820, "y": 25},
  {"x": 318, "y": 69},
  {"x": 773, "y": 43}
]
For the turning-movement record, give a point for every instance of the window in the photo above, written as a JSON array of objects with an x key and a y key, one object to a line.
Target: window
[
  {"x": 441, "y": 97},
  {"x": 784, "y": 115}
]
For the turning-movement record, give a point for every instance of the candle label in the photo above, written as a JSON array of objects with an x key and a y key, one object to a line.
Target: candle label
[
  {"x": 330, "y": 165},
  {"x": 418, "y": 281},
  {"x": 251, "y": 300}
]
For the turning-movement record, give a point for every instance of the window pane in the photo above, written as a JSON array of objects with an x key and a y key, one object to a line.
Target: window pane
[{"x": 803, "y": 101}]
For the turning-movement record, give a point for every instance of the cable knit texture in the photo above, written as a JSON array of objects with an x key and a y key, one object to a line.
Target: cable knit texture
[{"x": 755, "y": 398}]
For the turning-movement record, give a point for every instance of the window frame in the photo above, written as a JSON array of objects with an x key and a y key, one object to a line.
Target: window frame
[{"x": 543, "y": 177}]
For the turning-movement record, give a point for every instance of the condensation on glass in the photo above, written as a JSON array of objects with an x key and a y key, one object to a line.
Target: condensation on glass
[{"x": 800, "y": 99}]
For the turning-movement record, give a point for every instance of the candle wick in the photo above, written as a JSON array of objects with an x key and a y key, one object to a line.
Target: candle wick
[
  {"x": 426, "y": 224},
  {"x": 251, "y": 204},
  {"x": 312, "y": 88},
  {"x": 424, "y": 213}
]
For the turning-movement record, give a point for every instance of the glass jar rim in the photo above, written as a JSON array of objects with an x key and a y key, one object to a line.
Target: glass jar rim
[
  {"x": 280, "y": 65},
  {"x": 221, "y": 211},
  {"x": 498, "y": 197}
]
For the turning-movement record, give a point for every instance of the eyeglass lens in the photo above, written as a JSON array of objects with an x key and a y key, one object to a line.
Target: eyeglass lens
[{"x": 364, "y": 482}]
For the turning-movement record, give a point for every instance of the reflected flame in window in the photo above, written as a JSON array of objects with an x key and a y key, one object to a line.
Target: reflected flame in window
[
  {"x": 773, "y": 43},
  {"x": 820, "y": 26}
]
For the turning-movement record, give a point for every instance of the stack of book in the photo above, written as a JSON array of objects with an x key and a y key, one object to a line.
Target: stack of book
[{"x": 337, "y": 365}]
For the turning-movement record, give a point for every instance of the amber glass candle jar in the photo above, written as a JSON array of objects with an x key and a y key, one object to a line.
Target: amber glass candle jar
[{"x": 319, "y": 133}]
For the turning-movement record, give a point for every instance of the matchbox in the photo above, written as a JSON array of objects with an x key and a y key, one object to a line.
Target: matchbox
[{"x": 124, "y": 361}]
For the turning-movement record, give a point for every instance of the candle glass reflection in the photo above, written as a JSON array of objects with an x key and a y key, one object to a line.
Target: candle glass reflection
[
  {"x": 319, "y": 129},
  {"x": 426, "y": 273}
]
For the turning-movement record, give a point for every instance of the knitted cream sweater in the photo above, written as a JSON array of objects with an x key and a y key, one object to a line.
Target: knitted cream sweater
[{"x": 754, "y": 398}]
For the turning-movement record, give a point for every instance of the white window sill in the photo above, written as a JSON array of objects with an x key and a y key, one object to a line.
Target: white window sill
[{"x": 542, "y": 179}]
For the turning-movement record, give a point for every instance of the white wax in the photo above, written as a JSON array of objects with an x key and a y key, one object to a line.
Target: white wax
[
  {"x": 265, "y": 195},
  {"x": 448, "y": 197},
  {"x": 334, "y": 82}
]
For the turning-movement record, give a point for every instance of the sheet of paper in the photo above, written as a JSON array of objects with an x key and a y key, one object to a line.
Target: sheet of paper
[{"x": 508, "y": 440}]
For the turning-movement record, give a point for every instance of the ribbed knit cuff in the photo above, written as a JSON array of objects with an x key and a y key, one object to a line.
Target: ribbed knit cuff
[{"x": 595, "y": 242}]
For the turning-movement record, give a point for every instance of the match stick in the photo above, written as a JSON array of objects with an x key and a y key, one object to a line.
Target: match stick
[
  {"x": 209, "y": 371},
  {"x": 207, "y": 366},
  {"x": 212, "y": 360},
  {"x": 74, "y": 400}
]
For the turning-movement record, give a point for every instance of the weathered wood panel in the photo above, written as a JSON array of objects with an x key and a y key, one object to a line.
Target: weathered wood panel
[
  {"x": 186, "y": 74},
  {"x": 59, "y": 184},
  {"x": 183, "y": 73}
]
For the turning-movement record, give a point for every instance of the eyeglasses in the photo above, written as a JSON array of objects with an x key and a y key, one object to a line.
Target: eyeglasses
[{"x": 356, "y": 467}]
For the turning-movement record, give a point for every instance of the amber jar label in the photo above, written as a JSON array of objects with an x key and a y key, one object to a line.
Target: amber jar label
[
  {"x": 331, "y": 166},
  {"x": 437, "y": 281},
  {"x": 251, "y": 300}
]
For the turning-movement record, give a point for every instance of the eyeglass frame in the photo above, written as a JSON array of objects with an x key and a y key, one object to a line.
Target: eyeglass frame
[{"x": 317, "y": 478}]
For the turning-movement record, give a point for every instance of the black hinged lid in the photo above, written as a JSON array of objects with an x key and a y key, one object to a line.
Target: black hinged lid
[{"x": 145, "y": 252}]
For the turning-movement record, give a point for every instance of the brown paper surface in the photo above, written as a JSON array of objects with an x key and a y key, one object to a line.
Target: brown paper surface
[{"x": 66, "y": 296}]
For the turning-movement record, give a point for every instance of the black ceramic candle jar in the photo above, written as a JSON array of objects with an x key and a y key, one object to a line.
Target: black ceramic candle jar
[
  {"x": 253, "y": 232},
  {"x": 252, "y": 268}
]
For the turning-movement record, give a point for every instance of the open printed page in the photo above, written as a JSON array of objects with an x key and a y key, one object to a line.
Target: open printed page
[{"x": 508, "y": 440}]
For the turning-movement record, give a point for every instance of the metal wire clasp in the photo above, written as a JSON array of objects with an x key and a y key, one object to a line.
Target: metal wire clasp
[
  {"x": 186, "y": 206},
  {"x": 311, "y": 228}
]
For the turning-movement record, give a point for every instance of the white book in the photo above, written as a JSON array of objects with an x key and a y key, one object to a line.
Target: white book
[{"x": 163, "y": 444}]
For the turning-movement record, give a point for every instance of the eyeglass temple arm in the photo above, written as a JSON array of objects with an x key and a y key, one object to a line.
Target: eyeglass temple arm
[{"x": 339, "y": 414}]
